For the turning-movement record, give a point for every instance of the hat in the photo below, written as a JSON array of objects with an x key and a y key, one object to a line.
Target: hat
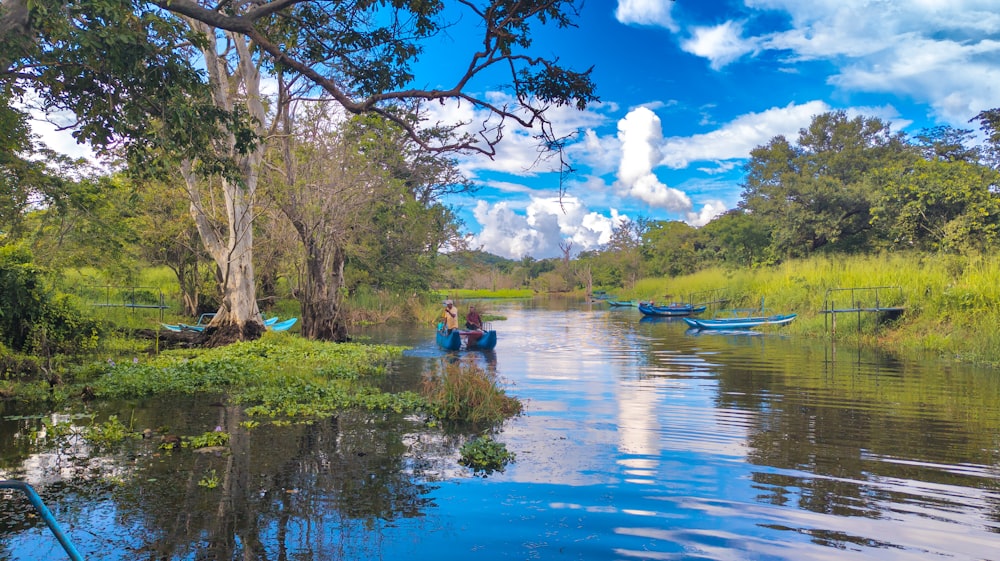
[{"x": 448, "y": 302}]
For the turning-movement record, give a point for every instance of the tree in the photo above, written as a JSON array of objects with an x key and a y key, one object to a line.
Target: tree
[
  {"x": 167, "y": 236},
  {"x": 937, "y": 204},
  {"x": 813, "y": 194},
  {"x": 359, "y": 53},
  {"x": 737, "y": 238},
  {"x": 670, "y": 248}
]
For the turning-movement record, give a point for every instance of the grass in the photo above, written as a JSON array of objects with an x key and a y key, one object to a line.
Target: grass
[
  {"x": 461, "y": 390},
  {"x": 952, "y": 303}
]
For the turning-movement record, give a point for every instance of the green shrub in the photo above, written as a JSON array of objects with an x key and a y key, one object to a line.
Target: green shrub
[{"x": 34, "y": 318}]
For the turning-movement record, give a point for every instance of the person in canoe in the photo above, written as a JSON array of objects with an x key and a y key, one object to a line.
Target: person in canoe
[
  {"x": 475, "y": 326},
  {"x": 450, "y": 316},
  {"x": 472, "y": 319}
]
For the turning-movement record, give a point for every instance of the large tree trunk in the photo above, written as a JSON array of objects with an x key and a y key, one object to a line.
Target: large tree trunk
[
  {"x": 320, "y": 299},
  {"x": 231, "y": 244}
]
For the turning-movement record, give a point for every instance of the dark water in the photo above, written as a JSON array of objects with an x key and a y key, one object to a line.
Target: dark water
[{"x": 639, "y": 441}]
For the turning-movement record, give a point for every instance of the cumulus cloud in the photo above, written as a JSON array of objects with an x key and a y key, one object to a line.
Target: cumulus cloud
[
  {"x": 519, "y": 152},
  {"x": 544, "y": 225},
  {"x": 736, "y": 139},
  {"x": 641, "y": 137},
  {"x": 708, "y": 211},
  {"x": 721, "y": 44},
  {"x": 944, "y": 54},
  {"x": 646, "y": 12}
]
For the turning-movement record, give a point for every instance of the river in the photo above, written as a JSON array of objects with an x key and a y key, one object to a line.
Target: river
[{"x": 639, "y": 440}]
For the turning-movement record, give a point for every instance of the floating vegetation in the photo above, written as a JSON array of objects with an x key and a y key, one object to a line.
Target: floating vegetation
[
  {"x": 485, "y": 455},
  {"x": 278, "y": 375}
]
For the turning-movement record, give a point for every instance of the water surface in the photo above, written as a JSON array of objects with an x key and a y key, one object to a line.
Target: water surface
[{"x": 639, "y": 441}]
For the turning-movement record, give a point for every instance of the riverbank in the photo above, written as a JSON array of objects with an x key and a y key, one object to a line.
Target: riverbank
[{"x": 950, "y": 304}]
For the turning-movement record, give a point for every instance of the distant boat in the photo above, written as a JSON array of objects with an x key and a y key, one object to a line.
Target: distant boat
[
  {"x": 621, "y": 303},
  {"x": 739, "y": 322},
  {"x": 670, "y": 310},
  {"x": 471, "y": 339}
]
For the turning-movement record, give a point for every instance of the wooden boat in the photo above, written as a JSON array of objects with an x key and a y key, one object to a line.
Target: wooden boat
[
  {"x": 671, "y": 310},
  {"x": 281, "y": 325},
  {"x": 205, "y": 319},
  {"x": 468, "y": 339},
  {"x": 739, "y": 322}
]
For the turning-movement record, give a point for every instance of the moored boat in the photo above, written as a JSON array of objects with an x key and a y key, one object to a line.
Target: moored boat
[
  {"x": 739, "y": 322},
  {"x": 670, "y": 310}
]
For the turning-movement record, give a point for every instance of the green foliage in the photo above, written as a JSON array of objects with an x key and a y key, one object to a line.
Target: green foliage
[
  {"x": 814, "y": 194},
  {"x": 108, "y": 433},
  {"x": 464, "y": 391},
  {"x": 207, "y": 440},
  {"x": 34, "y": 318},
  {"x": 938, "y": 204},
  {"x": 277, "y": 375},
  {"x": 210, "y": 480},
  {"x": 485, "y": 455}
]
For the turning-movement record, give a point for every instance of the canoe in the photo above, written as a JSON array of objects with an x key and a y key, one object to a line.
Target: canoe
[
  {"x": 672, "y": 310},
  {"x": 203, "y": 321},
  {"x": 283, "y": 325},
  {"x": 621, "y": 303},
  {"x": 739, "y": 323},
  {"x": 466, "y": 339}
]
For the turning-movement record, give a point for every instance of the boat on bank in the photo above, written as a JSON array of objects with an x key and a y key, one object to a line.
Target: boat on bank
[
  {"x": 670, "y": 310},
  {"x": 736, "y": 323}
]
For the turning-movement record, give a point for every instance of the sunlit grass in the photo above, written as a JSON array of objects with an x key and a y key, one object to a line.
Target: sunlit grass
[{"x": 952, "y": 303}]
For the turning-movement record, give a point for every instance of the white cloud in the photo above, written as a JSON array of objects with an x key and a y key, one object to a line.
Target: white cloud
[
  {"x": 737, "y": 138},
  {"x": 720, "y": 44},
  {"x": 641, "y": 138},
  {"x": 646, "y": 12},
  {"x": 709, "y": 210},
  {"x": 518, "y": 152},
  {"x": 545, "y": 224},
  {"x": 943, "y": 54}
]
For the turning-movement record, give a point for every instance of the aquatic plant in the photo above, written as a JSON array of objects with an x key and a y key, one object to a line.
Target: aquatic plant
[
  {"x": 207, "y": 440},
  {"x": 278, "y": 375},
  {"x": 485, "y": 455},
  {"x": 464, "y": 391},
  {"x": 210, "y": 480},
  {"x": 108, "y": 433}
]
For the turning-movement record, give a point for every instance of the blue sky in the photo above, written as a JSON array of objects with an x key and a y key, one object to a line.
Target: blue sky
[{"x": 689, "y": 88}]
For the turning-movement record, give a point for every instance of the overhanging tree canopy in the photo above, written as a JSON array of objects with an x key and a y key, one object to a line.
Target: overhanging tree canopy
[{"x": 131, "y": 71}]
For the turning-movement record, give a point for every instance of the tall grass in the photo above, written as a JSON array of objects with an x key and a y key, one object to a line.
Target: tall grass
[
  {"x": 462, "y": 390},
  {"x": 952, "y": 303}
]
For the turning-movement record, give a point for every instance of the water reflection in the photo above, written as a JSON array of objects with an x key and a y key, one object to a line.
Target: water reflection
[{"x": 639, "y": 441}]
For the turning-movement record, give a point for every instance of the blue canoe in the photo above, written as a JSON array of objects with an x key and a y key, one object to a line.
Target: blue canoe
[
  {"x": 739, "y": 323},
  {"x": 281, "y": 325},
  {"x": 466, "y": 339},
  {"x": 204, "y": 319},
  {"x": 672, "y": 310}
]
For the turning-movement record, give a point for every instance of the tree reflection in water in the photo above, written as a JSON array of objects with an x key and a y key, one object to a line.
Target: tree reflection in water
[{"x": 302, "y": 491}]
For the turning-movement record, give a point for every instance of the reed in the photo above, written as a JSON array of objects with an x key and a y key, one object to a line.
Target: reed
[
  {"x": 462, "y": 390},
  {"x": 952, "y": 302}
]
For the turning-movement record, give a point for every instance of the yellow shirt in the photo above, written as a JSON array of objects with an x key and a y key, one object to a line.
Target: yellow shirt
[{"x": 451, "y": 317}]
